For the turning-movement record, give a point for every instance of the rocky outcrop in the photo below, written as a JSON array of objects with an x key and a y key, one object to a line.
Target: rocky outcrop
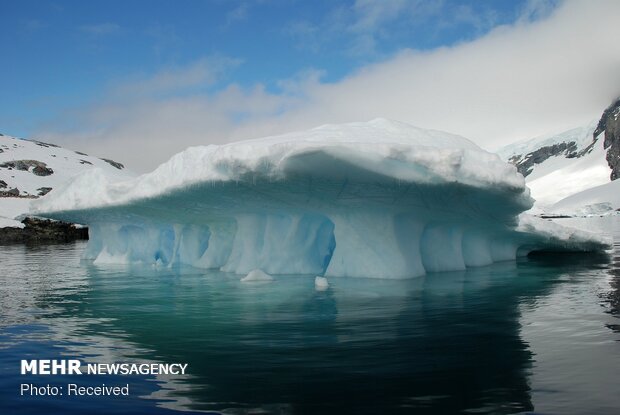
[
  {"x": 42, "y": 144},
  {"x": 43, "y": 190},
  {"x": 114, "y": 163},
  {"x": 610, "y": 124},
  {"x": 43, "y": 231},
  {"x": 38, "y": 167},
  {"x": 525, "y": 163},
  {"x": 14, "y": 192}
]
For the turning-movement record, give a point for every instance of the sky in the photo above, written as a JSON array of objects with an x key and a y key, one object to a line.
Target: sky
[{"x": 138, "y": 81}]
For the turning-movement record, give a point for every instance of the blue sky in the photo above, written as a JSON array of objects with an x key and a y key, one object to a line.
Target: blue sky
[
  {"x": 60, "y": 54},
  {"x": 220, "y": 70}
]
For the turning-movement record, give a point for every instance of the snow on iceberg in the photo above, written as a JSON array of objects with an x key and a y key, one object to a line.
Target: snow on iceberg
[{"x": 379, "y": 199}]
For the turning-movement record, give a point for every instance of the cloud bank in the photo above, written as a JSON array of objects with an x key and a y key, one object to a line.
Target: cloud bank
[{"x": 515, "y": 82}]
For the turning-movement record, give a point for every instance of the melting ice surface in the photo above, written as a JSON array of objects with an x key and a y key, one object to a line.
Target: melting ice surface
[{"x": 379, "y": 199}]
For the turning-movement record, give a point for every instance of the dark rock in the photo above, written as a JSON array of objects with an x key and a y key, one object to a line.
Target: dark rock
[
  {"x": 3, "y": 184},
  {"x": 114, "y": 163},
  {"x": 610, "y": 124},
  {"x": 85, "y": 162},
  {"x": 588, "y": 149},
  {"x": 602, "y": 123},
  {"x": 15, "y": 164},
  {"x": 39, "y": 168},
  {"x": 44, "y": 190},
  {"x": 42, "y": 144},
  {"x": 526, "y": 163},
  {"x": 14, "y": 192},
  {"x": 43, "y": 231},
  {"x": 42, "y": 171},
  {"x": 80, "y": 153}
]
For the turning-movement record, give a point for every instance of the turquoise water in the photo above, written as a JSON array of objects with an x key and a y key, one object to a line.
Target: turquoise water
[{"x": 536, "y": 336}]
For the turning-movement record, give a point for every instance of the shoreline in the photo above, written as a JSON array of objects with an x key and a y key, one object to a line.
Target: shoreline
[{"x": 43, "y": 231}]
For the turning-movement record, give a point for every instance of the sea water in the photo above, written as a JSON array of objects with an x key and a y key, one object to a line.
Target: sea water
[{"x": 540, "y": 335}]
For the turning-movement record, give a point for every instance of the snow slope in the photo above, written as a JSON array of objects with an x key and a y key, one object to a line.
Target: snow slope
[
  {"x": 570, "y": 171},
  {"x": 599, "y": 200},
  {"x": 378, "y": 199},
  {"x": 29, "y": 169}
]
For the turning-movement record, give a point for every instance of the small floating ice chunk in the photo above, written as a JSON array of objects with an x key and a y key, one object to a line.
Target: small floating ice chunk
[
  {"x": 321, "y": 284},
  {"x": 257, "y": 275}
]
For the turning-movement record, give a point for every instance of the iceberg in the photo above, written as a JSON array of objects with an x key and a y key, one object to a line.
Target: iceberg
[
  {"x": 321, "y": 283},
  {"x": 377, "y": 199}
]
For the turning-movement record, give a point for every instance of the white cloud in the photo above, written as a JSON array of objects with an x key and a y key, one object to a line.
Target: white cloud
[
  {"x": 201, "y": 73},
  {"x": 371, "y": 14},
  {"x": 515, "y": 82},
  {"x": 302, "y": 82}
]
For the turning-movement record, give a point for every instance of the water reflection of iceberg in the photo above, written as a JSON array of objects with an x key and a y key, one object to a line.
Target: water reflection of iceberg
[
  {"x": 450, "y": 341},
  {"x": 45, "y": 314},
  {"x": 445, "y": 343}
]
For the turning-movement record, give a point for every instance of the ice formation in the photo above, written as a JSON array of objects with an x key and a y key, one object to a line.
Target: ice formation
[
  {"x": 321, "y": 283},
  {"x": 379, "y": 199}
]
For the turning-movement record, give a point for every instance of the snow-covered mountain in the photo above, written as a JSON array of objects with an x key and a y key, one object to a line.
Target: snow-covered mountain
[
  {"x": 560, "y": 166},
  {"x": 30, "y": 169},
  {"x": 598, "y": 200}
]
